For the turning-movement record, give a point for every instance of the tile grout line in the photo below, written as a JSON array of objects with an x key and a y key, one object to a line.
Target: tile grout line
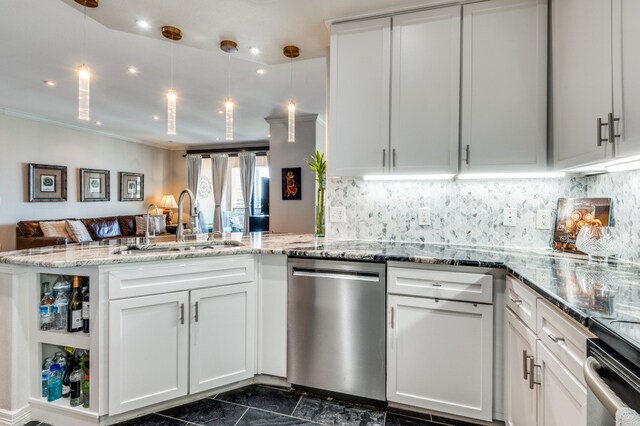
[
  {"x": 296, "y": 407},
  {"x": 169, "y": 417},
  {"x": 384, "y": 422},
  {"x": 245, "y": 412},
  {"x": 271, "y": 412}
]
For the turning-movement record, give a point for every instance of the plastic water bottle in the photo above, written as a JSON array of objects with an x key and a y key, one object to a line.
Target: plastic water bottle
[
  {"x": 60, "y": 307},
  {"x": 48, "y": 362},
  {"x": 61, "y": 359},
  {"x": 63, "y": 285},
  {"x": 46, "y": 309},
  {"x": 55, "y": 383}
]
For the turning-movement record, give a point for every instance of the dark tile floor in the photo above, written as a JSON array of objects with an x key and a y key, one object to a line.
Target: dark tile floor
[{"x": 258, "y": 405}]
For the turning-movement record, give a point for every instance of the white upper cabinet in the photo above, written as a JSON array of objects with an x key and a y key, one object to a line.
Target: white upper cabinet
[
  {"x": 504, "y": 86},
  {"x": 359, "y": 97},
  {"x": 425, "y": 91},
  {"x": 626, "y": 69},
  {"x": 582, "y": 80}
]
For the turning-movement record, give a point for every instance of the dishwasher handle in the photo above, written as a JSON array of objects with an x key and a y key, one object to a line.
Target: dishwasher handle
[
  {"x": 600, "y": 389},
  {"x": 336, "y": 275}
]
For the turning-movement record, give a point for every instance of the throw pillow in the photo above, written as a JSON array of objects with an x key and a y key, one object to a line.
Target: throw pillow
[
  {"x": 78, "y": 232},
  {"x": 141, "y": 225},
  {"x": 55, "y": 229},
  {"x": 161, "y": 219}
]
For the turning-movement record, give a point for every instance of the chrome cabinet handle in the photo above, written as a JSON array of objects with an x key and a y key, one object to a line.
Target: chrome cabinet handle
[
  {"x": 555, "y": 339},
  {"x": 182, "y": 313},
  {"x": 516, "y": 301},
  {"x": 392, "y": 317},
  {"x": 611, "y": 128},
  {"x": 196, "y": 313},
  {"x": 393, "y": 152},
  {"x": 384, "y": 157},
  {"x": 468, "y": 154},
  {"x": 600, "y": 126},
  {"x": 532, "y": 381},
  {"x": 437, "y": 284},
  {"x": 525, "y": 359}
]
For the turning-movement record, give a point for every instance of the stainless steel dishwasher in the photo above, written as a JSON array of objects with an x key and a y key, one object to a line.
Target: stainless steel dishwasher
[{"x": 336, "y": 326}]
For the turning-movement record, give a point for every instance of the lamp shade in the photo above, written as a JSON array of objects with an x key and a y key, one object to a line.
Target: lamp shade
[{"x": 168, "y": 202}]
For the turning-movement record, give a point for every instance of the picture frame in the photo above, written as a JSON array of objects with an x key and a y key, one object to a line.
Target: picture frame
[
  {"x": 575, "y": 213},
  {"x": 47, "y": 183},
  {"x": 131, "y": 186},
  {"x": 292, "y": 183},
  {"x": 94, "y": 185}
]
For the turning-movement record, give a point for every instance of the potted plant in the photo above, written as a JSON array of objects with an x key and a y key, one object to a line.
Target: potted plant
[{"x": 318, "y": 163}]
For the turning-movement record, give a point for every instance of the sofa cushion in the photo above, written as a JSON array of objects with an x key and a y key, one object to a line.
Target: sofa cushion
[
  {"x": 141, "y": 225},
  {"x": 103, "y": 227},
  {"x": 78, "y": 232},
  {"x": 30, "y": 228},
  {"x": 127, "y": 225},
  {"x": 55, "y": 228}
]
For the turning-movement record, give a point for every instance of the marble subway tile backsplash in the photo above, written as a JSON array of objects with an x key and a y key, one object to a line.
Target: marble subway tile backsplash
[{"x": 470, "y": 212}]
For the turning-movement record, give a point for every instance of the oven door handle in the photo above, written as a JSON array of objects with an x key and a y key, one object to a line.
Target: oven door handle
[{"x": 600, "y": 389}]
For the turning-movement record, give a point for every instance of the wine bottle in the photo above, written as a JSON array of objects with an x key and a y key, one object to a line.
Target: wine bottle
[
  {"x": 75, "y": 386},
  {"x": 66, "y": 379},
  {"x": 74, "y": 322},
  {"x": 85, "y": 309}
]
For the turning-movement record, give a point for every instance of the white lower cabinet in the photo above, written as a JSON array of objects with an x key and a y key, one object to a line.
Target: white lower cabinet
[
  {"x": 562, "y": 398},
  {"x": 222, "y": 346},
  {"x": 148, "y": 350},
  {"x": 440, "y": 355},
  {"x": 521, "y": 399}
]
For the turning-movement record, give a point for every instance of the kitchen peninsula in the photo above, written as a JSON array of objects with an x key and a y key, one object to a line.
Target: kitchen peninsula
[{"x": 239, "y": 285}]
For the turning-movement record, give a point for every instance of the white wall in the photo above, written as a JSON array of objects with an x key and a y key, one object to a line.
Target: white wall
[
  {"x": 24, "y": 141},
  {"x": 295, "y": 216}
]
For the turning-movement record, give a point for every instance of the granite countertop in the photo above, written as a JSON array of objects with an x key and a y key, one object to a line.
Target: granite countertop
[{"x": 581, "y": 289}]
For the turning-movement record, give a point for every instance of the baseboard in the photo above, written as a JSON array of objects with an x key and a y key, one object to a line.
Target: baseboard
[{"x": 15, "y": 418}]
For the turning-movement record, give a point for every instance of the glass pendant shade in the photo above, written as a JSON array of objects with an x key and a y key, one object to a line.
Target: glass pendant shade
[
  {"x": 171, "y": 111},
  {"x": 84, "y": 80},
  {"x": 228, "y": 119},
  {"x": 291, "y": 127}
]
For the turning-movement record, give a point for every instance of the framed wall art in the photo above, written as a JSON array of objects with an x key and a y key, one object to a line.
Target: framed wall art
[
  {"x": 292, "y": 183},
  {"x": 573, "y": 215},
  {"x": 47, "y": 183},
  {"x": 131, "y": 186},
  {"x": 94, "y": 185}
]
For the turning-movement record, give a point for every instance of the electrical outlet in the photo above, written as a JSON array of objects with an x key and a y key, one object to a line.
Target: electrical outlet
[
  {"x": 543, "y": 219},
  {"x": 510, "y": 217},
  {"x": 337, "y": 214},
  {"x": 424, "y": 216}
]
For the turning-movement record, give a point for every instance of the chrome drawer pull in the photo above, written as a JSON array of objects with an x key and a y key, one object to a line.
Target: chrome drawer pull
[
  {"x": 516, "y": 301},
  {"x": 532, "y": 381},
  {"x": 525, "y": 359},
  {"x": 437, "y": 284},
  {"x": 555, "y": 338}
]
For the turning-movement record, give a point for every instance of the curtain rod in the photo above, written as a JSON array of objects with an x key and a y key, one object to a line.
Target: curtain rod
[{"x": 233, "y": 152}]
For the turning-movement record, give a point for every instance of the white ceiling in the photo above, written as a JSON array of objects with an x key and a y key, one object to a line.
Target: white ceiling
[{"x": 43, "y": 40}]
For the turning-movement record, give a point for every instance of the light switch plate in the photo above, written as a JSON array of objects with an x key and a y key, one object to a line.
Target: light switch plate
[
  {"x": 424, "y": 216},
  {"x": 510, "y": 217},
  {"x": 337, "y": 214},
  {"x": 543, "y": 219}
]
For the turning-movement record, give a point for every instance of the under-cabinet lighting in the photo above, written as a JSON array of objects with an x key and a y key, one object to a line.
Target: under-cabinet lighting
[
  {"x": 621, "y": 167},
  {"x": 532, "y": 175},
  {"x": 442, "y": 176}
]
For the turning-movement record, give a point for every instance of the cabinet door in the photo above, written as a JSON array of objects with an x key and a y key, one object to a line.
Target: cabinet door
[
  {"x": 562, "y": 399},
  {"x": 359, "y": 97},
  {"x": 223, "y": 335},
  {"x": 440, "y": 355},
  {"x": 272, "y": 311},
  {"x": 521, "y": 399},
  {"x": 504, "y": 86},
  {"x": 148, "y": 350},
  {"x": 581, "y": 52},
  {"x": 626, "y": 68},
  {"x": 425, "y": 91}
]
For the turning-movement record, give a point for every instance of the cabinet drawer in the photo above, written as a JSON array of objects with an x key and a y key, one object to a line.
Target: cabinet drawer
[
  {"x": 461, "y": 286},
  {"x": 164, "y": 277},
  {"x": 522, "y": 301},
  {"x": 563, "y": 337}
]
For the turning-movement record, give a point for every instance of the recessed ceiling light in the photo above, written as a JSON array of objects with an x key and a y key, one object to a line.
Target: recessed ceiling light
[
  {"x": 98, "y": 123},
  {"x": 49, "y": 83},
  {"x": 155, "y": 117},
  {"x": 217, "y": 139},
  {"x": 143, "y": 24},
  {"x": 220, "y": 111},
  {"x": 254, "y": 50},
  {"x": 260, "y": 71},
  {"x": 269, "y": 135},
  {"x": 132, "y": 70}
]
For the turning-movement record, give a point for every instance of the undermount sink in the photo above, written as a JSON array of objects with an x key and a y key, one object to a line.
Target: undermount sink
[{"x": 186, "y": 247}]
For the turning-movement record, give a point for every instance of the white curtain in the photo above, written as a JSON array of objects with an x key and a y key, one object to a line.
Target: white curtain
[
  {"x": 219, "y": 164},
  {"x": 194, "y": 167},
  {"x": 247, "y": 172}
]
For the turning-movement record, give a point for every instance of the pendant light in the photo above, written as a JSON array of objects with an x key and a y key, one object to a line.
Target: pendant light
[
  {"x": 172, "y": 34},
  {"x": 84, "y": 74},
  {"x": 228, "y": 47},
  {"x": 291, "y": 52}
]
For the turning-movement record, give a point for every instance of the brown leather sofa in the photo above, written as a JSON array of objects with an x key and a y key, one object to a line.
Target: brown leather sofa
[{"x": 29, "y": 234}]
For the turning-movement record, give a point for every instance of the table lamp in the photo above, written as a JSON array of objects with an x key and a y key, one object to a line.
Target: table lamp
[{"x": 168, "y": 203}]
